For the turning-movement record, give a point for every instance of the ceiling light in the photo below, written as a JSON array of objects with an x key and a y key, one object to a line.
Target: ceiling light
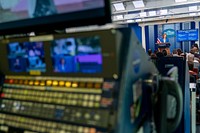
[
  {"x": 138, "y": 4},
  {"x": 192, "y": 8},
  {"x": 180, "y": 1},
  {"x": 138, "y": 20},
  {"x": 163, "y": 12},
  {"x": 192, "y": 14},
  {"x": 143, "y": 14},
  {"x": 130, "y": 16},
  {"x": 119, "y": 6},
  {"x": 152, "y": 13},
  {"x": 130, "y": 21},
  {"x": 119, "y": 17}
]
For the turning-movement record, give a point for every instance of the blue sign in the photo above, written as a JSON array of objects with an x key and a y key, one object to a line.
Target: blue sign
[
  {"x": 170, "y": 33},
  {"x": 187, "y": 35}
]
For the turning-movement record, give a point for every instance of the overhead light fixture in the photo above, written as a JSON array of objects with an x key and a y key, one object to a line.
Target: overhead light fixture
[
  {"x": 180, "y": 1},
  {"x": 138, "y": 20},
  {"x": 130, "y": 21},
  {"x": 130, "y": 16},
  {"x": 138, "y": 4},
  {"x": 192, "y": 14},
  {"x": 164, "y": 12},
  {"x": 152, "y": 13},
  {"x": 119, "y": 17},
  {"x": 193, "y": 8},
  {"x": 143, "y": 14},
  {"x": 119, "y": 6}
]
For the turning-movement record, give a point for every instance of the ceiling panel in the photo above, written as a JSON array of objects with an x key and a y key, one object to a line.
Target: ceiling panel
[{"x": 174, "y": 9}]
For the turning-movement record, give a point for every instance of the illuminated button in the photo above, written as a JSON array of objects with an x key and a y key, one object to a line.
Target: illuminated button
[
  {"x": 86, "y": 97},
  {"x": 42, "y": 83},
  {"x": 89, "y": 85},
  {"x": 36, "y": 83},
  {"x": 55, "y": 83},
  {"x": 80, "y": 129},
  {"x": 87, "y": 116},
  {"x": 68, "y": 84},
  {"x": 97, "y": 117},
  {"x": 11, "y": 81},
  {"x": 92, "y": 130},
  {"x": 85, "y": 103},
  {"x": 97, "y": 98},
  {"x": 30, "y": 83},
  {"x": 61, "y": 83},
  {"x": 49, "y": 82},
  {"x": 92, "y": 97},
  {"x": 78, "y": 114},
  {"x": 86, "y": 130},
  {"x": 97, "y": 85},
  {"x": 75, "y": 85},
  {"x": 74, "y": 102},
  {"x": 90, "y": 104}
]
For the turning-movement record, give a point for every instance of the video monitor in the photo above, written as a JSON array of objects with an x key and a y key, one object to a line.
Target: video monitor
[
  {"x": 26, "y": 56},
  {"x": 31, "y": 15},
  {"x": 77, "y": 55}
]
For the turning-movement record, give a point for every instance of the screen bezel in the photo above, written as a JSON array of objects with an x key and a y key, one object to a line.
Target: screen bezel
[
  {"x": 48, "y": 24},
  {"x": 108, "y": 42}
]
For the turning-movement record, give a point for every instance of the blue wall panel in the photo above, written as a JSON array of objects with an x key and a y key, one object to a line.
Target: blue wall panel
[{"x": 138, "y": 31}]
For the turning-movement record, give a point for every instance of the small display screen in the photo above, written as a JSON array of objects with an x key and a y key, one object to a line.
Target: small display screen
[
  {"x": 77, "y": 55},
  {"x": 187, "y": 35},
  {"x": 26, "y": 56}
]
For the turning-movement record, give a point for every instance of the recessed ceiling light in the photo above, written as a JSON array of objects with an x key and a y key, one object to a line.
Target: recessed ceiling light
[
  {"x": 119, "y": 17},
  {"x": 164, "y": 12},
  {"x": 192, "y": 8},
  {"x": 138, "y": 20},
  {"x": 130, "y": 16},
  {"x": 138, "y": 4},
  {"x": 192, "y": 14},
  {"x": 119, "y": 6},
  {"x": 180, "y": 1},
  {"x": 143, "y": 14},
  {"x": 130, "y": 21},
  {"x": 152, "y": 13}
]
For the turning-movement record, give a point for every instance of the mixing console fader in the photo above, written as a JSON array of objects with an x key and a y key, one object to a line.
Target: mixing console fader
[{"x": 38, "y": 100}]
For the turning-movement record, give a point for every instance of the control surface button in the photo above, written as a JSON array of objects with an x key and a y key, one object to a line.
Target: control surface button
[
  {"x": 97, "y": 117},
  {"x": 87, "y": 116}
]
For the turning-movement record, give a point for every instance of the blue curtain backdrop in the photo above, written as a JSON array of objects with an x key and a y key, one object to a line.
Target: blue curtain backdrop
[{"x": 138, "y": 31}]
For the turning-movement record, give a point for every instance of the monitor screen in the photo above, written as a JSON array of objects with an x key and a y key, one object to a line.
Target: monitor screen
[
  {"x": 77, "y": 55},
  {"x": 187, "y": 35},
  {"x": 42, "y": 12},
  {"x": 26, "y": 56}
]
